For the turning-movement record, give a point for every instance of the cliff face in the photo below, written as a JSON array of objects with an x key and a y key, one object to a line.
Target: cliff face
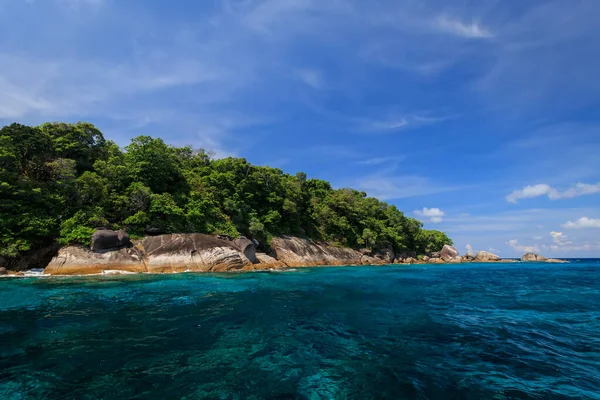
[
  {"x": 297, "y": 252},
  {"x": 202, "y": 253},
  {"x": 191, "y": 252},
  {"x": 74, "y": 260},
  {"x": 155, "y": 254}
]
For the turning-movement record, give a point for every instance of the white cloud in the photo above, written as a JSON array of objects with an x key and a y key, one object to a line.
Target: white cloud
[
  {"x": 458, "y": 28},
  {"x": 530, "y": 191},
  {"x": 435, "y": 215},
  {"x": 385, "y": 185},
  {"x": 559, "y": 238},
  {"x": 582, "y": 223},
  {"x": 469, "y": 249},
  {"x": 514, "y": 243}
]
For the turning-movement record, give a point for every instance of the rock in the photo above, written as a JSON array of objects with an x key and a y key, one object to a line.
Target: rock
[
  {"x": 194, "y": 252},
  {"x": 409, "y": 260},
  {"x": 369, "y": 260},
  {"x": 435, "y": 260},
  {"x": 456, "y": 260},
  {"x": 426, "y": 258},
  {"x": 533, "y": 257},
  {"x": 154, "y": 230},
  {"x": 469, "y": 256},
  {"x": 435, "y": 254},
  {"x": 298, "y": 252},
  {"x": 106, "y": 240},
  {"x": 266, "y": 262},
  {"x": 386, "y": 254},
  {"x": 75, "y": 260},
  {"x": 485, "y": 256},
  {"x": 247, "y": 247},
  {"x": 555, "y": 260},
  {"x": 448, "y": 253},
  {"x": 407, "y": 254},
  {"x": 156, "y": 254},
  {"x": 3, "y": 271}
]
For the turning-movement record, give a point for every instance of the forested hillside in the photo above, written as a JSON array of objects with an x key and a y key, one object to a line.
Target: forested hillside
[{"x": 58, "y": 182}]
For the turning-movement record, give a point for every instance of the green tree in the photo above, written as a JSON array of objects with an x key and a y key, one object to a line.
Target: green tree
[
  {"x": 154, "y": 163},
  {"x": 59, "y": 182}
]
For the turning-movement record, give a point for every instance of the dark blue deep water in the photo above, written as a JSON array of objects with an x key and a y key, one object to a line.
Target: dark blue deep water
[{"x": 476, "y": 331}]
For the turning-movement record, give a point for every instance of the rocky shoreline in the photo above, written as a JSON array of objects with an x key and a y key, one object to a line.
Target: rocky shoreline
[{"x": 113, "y": 252}]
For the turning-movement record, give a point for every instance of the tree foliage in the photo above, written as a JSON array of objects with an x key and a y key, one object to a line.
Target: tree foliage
[{"x": 58, "y": 182}]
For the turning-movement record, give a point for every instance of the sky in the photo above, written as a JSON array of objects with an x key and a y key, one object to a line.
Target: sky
[{"x": 480, "y": 118}]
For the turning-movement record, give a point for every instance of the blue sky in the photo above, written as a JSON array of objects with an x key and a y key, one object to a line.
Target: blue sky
[{"x": 480, "y": 118}]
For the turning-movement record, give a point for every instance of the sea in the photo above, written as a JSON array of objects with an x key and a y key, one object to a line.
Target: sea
[{"x": 464, "y": 331}]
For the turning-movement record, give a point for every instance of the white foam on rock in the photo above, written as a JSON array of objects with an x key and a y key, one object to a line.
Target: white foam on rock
[{"x": 117, "y": 272}]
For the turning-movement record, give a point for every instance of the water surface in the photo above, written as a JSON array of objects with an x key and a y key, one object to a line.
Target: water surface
[{"x": 474, "y": 331}]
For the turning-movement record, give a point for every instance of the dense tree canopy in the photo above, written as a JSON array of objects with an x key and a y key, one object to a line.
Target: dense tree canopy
[{"x": 58, "y": 182}]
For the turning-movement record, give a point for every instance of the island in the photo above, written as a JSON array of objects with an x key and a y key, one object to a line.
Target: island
[{"x": 76, "y": 203}]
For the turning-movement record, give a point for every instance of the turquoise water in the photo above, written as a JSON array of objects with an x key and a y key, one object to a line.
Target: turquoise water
[{"x": 476, "y": 331}]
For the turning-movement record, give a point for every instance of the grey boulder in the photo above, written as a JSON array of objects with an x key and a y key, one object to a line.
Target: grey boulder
[
  {"x": 448, "y": 253},
  {"x": 106, "y": 239}
]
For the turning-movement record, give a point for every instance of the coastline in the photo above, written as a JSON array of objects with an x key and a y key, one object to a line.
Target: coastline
[
  {"x": 39, "y": 273},
  {"x": 200, "y": 253}
]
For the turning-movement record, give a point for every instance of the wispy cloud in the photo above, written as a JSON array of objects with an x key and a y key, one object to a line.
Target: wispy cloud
[
  {"x": 530, "y": 191},
  {"x": 388, "y": 186},
  {"x": 43, "y": 87},
  {"x": 381, "y": 160},
  {"x": 311, "y": 77},
  {"x": 515, "y": 85},
  {"x": 471, "y": 30},
  {"x": 398, "y": 123}
]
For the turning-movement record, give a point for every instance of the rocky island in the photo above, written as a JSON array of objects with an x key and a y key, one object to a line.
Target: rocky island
[{"x": 75, "y": 203}]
